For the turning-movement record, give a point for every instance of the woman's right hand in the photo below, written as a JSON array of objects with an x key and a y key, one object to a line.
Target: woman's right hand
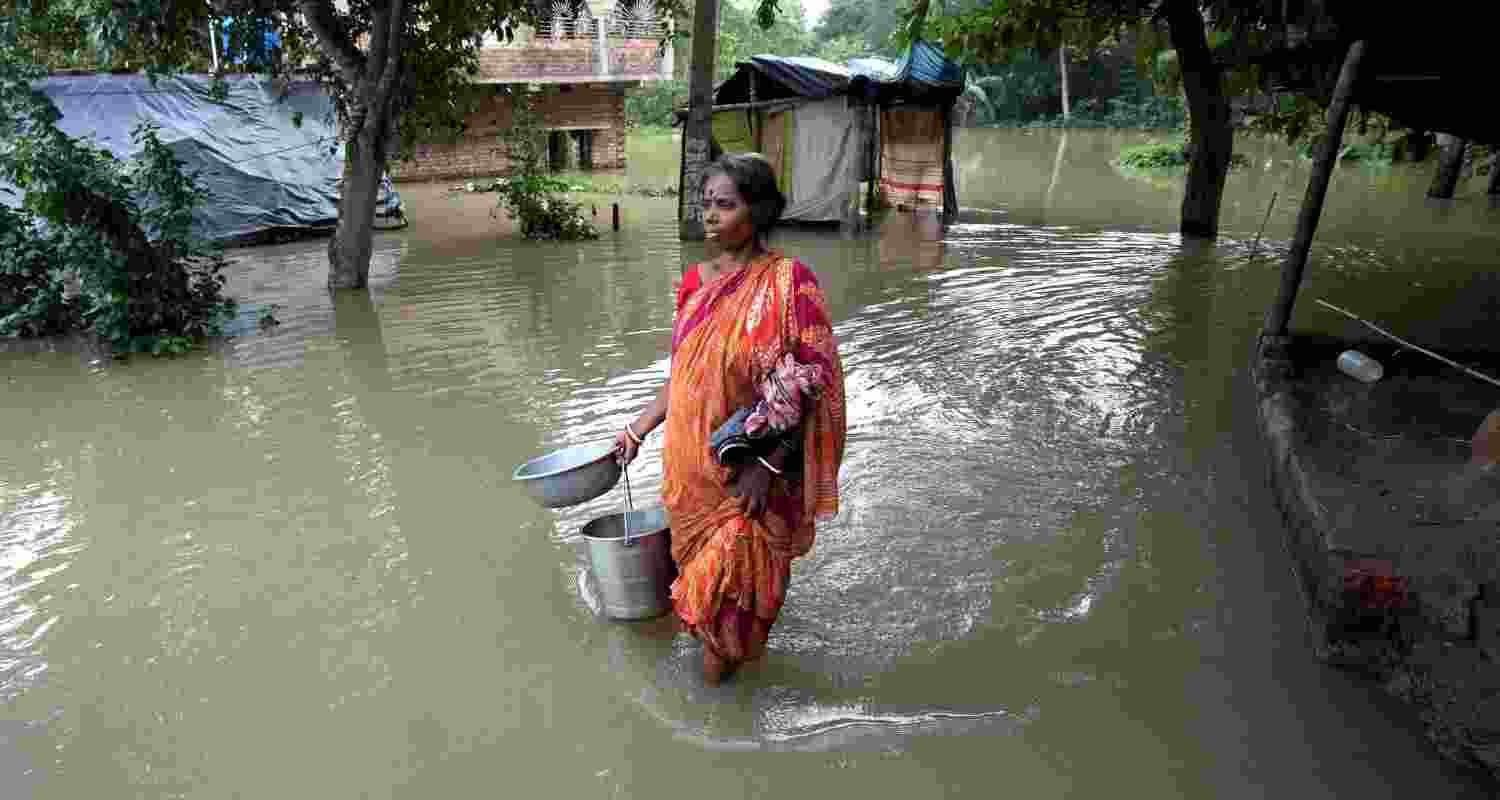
[{"x": 625, "y": 448}]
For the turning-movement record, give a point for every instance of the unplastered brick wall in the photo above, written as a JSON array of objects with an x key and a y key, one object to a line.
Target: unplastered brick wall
[
  {"x": 481, "y": 154},
  {"x": 567, "y": 58}
]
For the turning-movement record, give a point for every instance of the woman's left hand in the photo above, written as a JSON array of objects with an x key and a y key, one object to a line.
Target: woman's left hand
[{"x": 752, "y": 484}]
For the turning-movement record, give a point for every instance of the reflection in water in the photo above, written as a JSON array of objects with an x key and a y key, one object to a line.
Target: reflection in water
[{"x": 296, "y": 565}]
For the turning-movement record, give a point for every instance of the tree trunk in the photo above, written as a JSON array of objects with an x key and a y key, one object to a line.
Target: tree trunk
[
  {"x": 1062, "y": 71},
  {"x": 1317, "y": 188},
  {"x": 1450, "y": 164},
  {"x": 353, "y": 239},
  {"x": 372, "y": 80},
  {"x": 1210, "y": 136},
  {"x": 1494, "y": 188},
  {"x": 698, "y": 130}
]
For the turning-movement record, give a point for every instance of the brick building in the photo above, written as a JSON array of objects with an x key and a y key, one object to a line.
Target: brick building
[{"x": 587, "y": 56}]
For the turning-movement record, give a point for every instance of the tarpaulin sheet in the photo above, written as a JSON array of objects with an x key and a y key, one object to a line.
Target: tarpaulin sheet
[
  {"x": 783, "y": 77},
  {"x": 262, "y": 171},
  {"x": 778, "y": 131},
  {"x": 922, "y": 75},
  {"x": 827, "y": 151},
  {"x": 731, "y": 129}
]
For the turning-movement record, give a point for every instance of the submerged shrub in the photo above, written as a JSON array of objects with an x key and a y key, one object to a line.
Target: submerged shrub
[
  {"x": 1153, "y": 155},
  {"x": 100, "y": 243},
  {"x": 535, "y": 199},
  {"x": 1164, "y": 155}
]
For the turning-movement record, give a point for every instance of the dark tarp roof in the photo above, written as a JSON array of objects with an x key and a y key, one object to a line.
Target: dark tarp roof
[
  {"x": 923, "y": 74},
  {"x": 784, "y": 77}
]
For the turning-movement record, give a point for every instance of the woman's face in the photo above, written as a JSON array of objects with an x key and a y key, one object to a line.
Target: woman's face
[{"x": 726, "y": 215}]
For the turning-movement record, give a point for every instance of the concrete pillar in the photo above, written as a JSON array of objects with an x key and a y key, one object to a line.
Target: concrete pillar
[
  {"x": 601, "y": 26},
  {"x": 1450, "y": 165}
]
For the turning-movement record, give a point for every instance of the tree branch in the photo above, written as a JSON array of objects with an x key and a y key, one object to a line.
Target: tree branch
[
  {"x": 376, "y": 51},
  {"x": 332, "y": 39},
  {"x": 392, "y": 64}
]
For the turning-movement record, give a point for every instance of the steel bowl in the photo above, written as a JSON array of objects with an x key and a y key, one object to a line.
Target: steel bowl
[{"x": 569, "y": 476}]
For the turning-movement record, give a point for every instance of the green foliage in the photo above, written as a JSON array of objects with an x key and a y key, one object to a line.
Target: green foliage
[
  {"x": 1164, "y": 155},
  {"x": 653, "y": 104},
  {"x": 1301, "y": 120},
  {"x": 34, "y": 300},
  {"x": 1026, "y": 91},
  {"x": 740, "y": 37},
  {"x": 842, "y": 48},
  {"x": 99, "y": 243},
  {"x": 1153, "y": 155},
  {"x": 531, "y": 196},
  {"x": 1152, "y": 113},
  {"x": 864, "y": 27},
  {"x": 1376, "y": 152},
  {"x": 741, "y": 34}
]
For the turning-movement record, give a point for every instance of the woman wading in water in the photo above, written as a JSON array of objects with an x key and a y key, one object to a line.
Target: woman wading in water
[{"x": 754, "y": 413}]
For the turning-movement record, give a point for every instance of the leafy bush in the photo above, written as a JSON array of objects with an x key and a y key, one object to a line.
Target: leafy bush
[
  {"x": 1170, "y": 154},
  {"x": 652, "y": 105},
  {"x": 532, "y": 197},
  {"x": 33, "y": 296},
  {"x": 1364, "y": 152},
  {"x": 1153, "y": 155},
  {"x": 101, "y": 243}
]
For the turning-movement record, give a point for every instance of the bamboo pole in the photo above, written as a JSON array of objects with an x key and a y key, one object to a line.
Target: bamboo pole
[
  {"x": 950, "y": 188},
  {"x": 1317, "y": 190},
  {"x": 1256, "y": 245},
  {"x": 1424, "y": 351},
  {"x": 1062, "y": 69}
]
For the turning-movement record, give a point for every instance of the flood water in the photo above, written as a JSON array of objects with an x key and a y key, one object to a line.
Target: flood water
[{"x": 294, "y": 566}]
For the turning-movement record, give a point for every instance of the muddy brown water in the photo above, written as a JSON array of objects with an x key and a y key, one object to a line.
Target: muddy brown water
[{"x": 294, "y": 566}]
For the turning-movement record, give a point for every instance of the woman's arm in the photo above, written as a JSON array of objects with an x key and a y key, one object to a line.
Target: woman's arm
[
  {"x": 628, "y": 442},
  {"x": 655, "y": 413}
]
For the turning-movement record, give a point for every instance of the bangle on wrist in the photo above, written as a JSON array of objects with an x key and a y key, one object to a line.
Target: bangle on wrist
[
  {"x": 636, "y": 440},
  {"x": 767, "y": 465}
]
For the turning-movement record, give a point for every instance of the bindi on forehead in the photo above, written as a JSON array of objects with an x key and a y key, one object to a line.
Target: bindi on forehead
[{"x": 719, "y": 187}]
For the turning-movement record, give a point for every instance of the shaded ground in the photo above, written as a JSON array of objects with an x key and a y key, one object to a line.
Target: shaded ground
[{"x": 1396, "y": 533}]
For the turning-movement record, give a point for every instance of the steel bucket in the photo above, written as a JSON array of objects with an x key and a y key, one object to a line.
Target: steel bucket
[{"x": 633, "y": 572}]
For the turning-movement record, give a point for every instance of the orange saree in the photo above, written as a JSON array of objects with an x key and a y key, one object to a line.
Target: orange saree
[{"x": 729, "y": 334}]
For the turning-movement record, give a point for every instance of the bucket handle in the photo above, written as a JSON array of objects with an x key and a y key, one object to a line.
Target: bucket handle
[{"x": 629, "y": 509}]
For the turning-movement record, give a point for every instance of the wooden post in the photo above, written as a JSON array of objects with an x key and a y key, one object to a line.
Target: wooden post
[
  {"x": 751, "y": 117},
  {"x": 1062, "y": 70},
  {"x": 616, "y": 215},
  {"x": 697, "y": 132},
  {"x": 872, "y": 201},
  {"x": 682, "y": 173},
  {"x": 1317, "y": 190},
  {"x": 1450, "y": 165},
  {"x": 950, "y": 191},
  {"x": 1494, "y": 189}
]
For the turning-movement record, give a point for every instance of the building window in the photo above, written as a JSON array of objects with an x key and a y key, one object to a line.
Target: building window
[{"x": 569, "y": 150}]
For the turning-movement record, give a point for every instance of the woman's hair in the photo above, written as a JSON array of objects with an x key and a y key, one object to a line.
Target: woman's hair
[{"x": 756, "y": 183}]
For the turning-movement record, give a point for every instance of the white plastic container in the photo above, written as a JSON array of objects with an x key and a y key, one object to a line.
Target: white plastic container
[{"x": 1360, "y": 367}]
